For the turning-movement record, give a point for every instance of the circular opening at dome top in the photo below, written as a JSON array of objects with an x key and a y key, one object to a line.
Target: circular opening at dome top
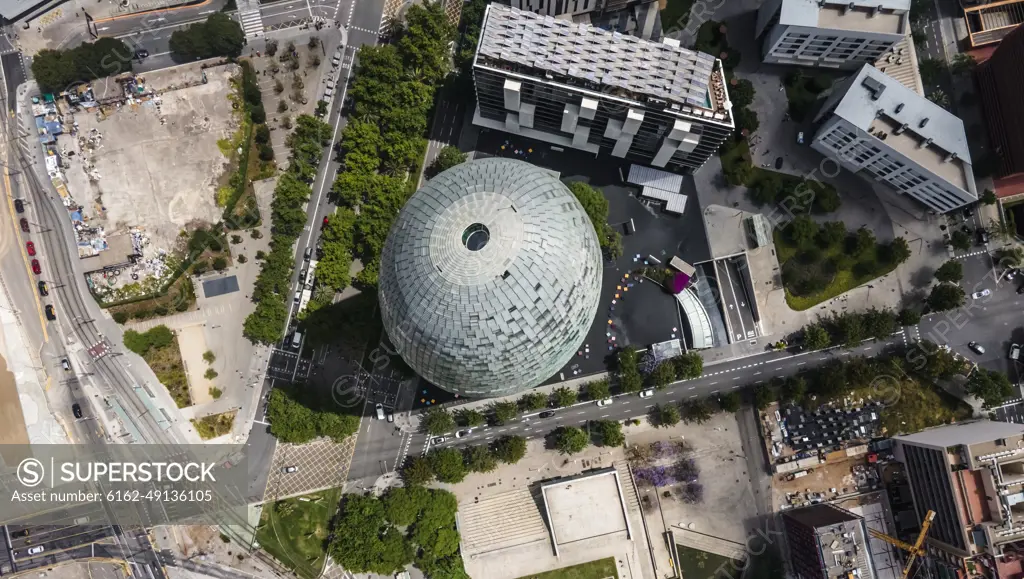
[{"x": 475, "y": 237}]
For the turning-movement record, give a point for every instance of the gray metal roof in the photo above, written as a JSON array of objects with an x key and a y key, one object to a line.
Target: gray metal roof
[
  {"x": 490, "y": 278},
  {"x": 593, "y": 55},
  {"x": 963, "y": 433}
]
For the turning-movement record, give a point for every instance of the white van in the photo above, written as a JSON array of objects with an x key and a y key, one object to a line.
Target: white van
[
  {"x": 380, "y": 411},
  {"x": 296, "y": 340}
]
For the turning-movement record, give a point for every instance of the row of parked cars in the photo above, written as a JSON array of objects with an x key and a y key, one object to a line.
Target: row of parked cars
[{"x": 30, "y": 248}]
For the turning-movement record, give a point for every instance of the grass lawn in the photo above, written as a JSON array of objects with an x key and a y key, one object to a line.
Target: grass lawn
[
  {"x": 695, "y": 564},
  {"x": 214, "y": 425},
  {"x": 170, "y": 371},
  {"x": 843, "y": 281},
  {"x": 294, "y": 530},
  {"x": 676, "y": 14},
  {"x": 739, "y": 154},
  {"x": 600, "y": 569}
]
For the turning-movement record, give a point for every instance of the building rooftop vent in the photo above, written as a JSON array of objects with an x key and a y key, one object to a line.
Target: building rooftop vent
[
  {"x": 876, "y": 88},
  {"x": 899, "y": 108},
  {"x": 923, "y": 122}
]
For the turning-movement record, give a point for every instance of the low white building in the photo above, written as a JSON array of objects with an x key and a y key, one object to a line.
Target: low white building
[
  {"x": 875, "y": 125},
  {"x": 830, "y": 33}
]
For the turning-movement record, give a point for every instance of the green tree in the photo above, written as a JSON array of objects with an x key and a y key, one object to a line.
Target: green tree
[
  {"x": 608, "y": 432},
  {"x": 879, "y": 323},
  {"x": 564, "y": 396},
  {"x": 596, "y": 207},
  {"x": 951, "y": 272},
  {"x": 946, "y": 296},
  {"x": 816, "y": 338},
  {"x": 510, "y": 449},
  {"x": 469, "y": 417},
  {"x": 665, "y": 415},
  {"x": 826, "y": 198},
  {"x": 447, "y": 465},
  {"x": 697, "y": 411},
  {"x": 741, "y": 91},
  {"x": 533, "y": 401},
  {"x": 988, "y": 197},
  {"x": 960, "y": 240},
  {"x": 1009, "y": 256},
  {"x": 504, "y": 411},
  {"x": 597, "y": 390},
  {"x": 688, "y": 366},
  {"x": 802, "y": 230},
  {"x": 219, "y": 35},
  {"x": 438, "y": 421},
  {"x": 480, "y": 459},
  {"x": 909, "y": 317},
  {"x": 763, "y": 396},
  {"x": 570, "y": 440},
  {"x": 992, "y": 387},
  {"x": 364, "y": 541},
  {"x": 447, "y": 158},
  {"x": 729, "y": 402},
  {"x": 746, "y": 121},
  {"x": 663, "y": 375},
  {"x": 793, "y": 390},
  {"x": 962, "y": 63},
  {"x": 831, "y": 233},
  {"x": 58, "y": 70},
  {"x": 402, "y": 505},
  {"x": 931, "y": 69},
  {"x": 418, "y": 471},
  {"x": 897, "y": 251},
  {"x": 209, "y": 357}
]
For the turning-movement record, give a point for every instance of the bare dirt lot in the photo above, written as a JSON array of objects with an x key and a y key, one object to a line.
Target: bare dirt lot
[{"x": 157, "y": 163}]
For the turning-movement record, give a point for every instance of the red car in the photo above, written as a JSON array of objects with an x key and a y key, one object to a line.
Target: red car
[
  {"x": 35, "y": 267},
  {"x": 24, "y": 225},
  {"x": 324, "y": 224},
  {"x": 30, "y": 247}
]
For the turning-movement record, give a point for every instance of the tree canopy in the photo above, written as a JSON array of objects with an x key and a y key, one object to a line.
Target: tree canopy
[
  {"x": 596, "y": 208},
  {"x": 59, "y": 70},
  {"x": 219, "y": 35},
  {"x": 946, "y": 296},
  {"x": 297, "y": 414},
  {"x": 570, "y": 439},
  {"x": 992, "y": 387}
]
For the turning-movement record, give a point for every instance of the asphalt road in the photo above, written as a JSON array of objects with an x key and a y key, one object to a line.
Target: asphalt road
[
  {"x": 722, "y": 377},
  {"x": 365, "y": 16}
]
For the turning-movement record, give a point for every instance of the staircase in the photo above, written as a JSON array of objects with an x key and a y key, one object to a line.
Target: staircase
[{"x": 628, "y": 487}]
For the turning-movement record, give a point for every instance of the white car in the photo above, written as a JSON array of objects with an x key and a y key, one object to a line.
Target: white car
[
  {"x": 983, "y": 293},
  {"x": 461, "y": 433},
  {"x": 605, "y": 402},
  {"x": 647, "y": 393},
  {"x": 289, "y": 469},
  {"x": 800, "y": 138},
  {"x": 35, "y": 550},
  {"x": 438, "y": 440}
]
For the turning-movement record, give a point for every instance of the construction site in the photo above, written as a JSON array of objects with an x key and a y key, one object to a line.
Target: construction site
[{"x": 138, "y": 164}]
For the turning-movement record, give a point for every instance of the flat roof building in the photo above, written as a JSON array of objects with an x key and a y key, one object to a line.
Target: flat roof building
[
  {"x": 874, "y": 124},
  {"x": 972, "y": 476},
  {"x": 827, "y": 542},
  {"x": 1001, "y": 80},
  {"x": 830, "y": 33},
  {"x": 574, "y": 85}
]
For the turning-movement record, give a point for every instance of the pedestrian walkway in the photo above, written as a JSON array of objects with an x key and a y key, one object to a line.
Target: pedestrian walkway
[{"x": 250, "y": 18}]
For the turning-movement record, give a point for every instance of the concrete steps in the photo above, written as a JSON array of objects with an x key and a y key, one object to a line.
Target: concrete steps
[
  {"x": 628, "y": 487},
  {"x": 501, "y": 521}
]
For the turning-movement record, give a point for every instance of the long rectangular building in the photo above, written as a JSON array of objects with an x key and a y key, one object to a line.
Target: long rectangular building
[
  {"x": 578, "y": 86},
  {"x": 830, "y": 33},
  {"x": 875, "y": 124}
]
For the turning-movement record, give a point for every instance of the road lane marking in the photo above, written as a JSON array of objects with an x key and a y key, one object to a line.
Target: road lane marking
[
  {"x": 801, "y": 363},
  {"x": 605, "y": 415}
]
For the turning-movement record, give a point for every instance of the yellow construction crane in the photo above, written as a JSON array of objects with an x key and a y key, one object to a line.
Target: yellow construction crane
[{"x": 913, "y": 551}]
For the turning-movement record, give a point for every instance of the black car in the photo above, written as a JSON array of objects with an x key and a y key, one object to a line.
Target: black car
[
  {"x": 76, "y": 410},
  {"x": 546, "y": 414},
  {"x": 43, "y": 291},
  {"x": 982, "y": 236},
  {"x": 141, "y": 53},
  {"x": 19, "y": 205},
  {"x": 50, "y": 315}
]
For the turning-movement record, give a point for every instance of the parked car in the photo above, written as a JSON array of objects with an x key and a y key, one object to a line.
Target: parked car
[
  {"x": 35, "y": 550},
  {"x": 21, "y": 533},
  {"x": 65, "y": 364},
  {"x": 141, "y": 53},
  {"x": 19, "y": 205},
  {"x": 1014, "y": 351},
  {"x": 983, "y": 293},
  {"x": 24, "y": 224},
  {"x": 800, "y": 138},
  {"x": 36, "y": 269},
  {"x": 380, "y": 411},
  {"x": 605, "y": 402},
  {"x": 546, "y": 414},
  {"x": 461, "y": 433},
  {"x": 30, "y": 248},
  {"x": 391, "y": 416},
  {"x": 438, "y": 440},
  {"x": 76, "y": 409},
  {"x": 982, "y": 236},
  {"x": 43, "y": 290},
  {"x": 50, "y": 315},
  {"x": 978, "y": 348},
  {"x": 289, "y": 469},
  {"x": 647, "y": 393}
]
